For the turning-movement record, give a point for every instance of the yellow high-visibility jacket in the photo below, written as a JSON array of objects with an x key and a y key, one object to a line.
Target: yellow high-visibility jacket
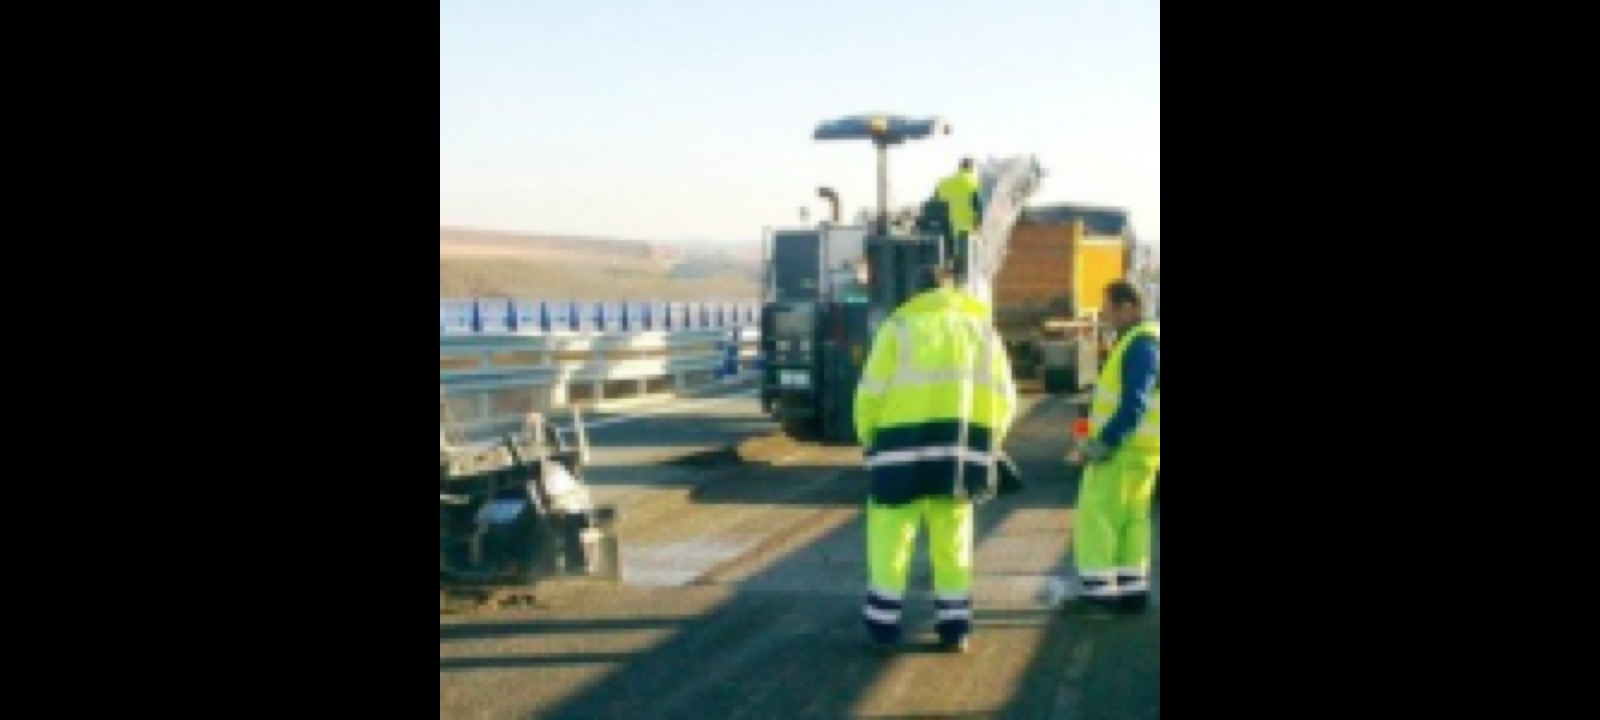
[{"x": 936, "y": 401}]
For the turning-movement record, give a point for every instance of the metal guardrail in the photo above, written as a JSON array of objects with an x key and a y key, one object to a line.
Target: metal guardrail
[
  {"x": 483, "y": 316},
  {"x": 493, "y": 381}
]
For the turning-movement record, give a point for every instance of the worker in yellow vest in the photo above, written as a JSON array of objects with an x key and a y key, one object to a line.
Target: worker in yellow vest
[
  {"x": 962, "y": 196},
  {"x": 1113, "y": 531},
  {"x": 934, "y": 407}
]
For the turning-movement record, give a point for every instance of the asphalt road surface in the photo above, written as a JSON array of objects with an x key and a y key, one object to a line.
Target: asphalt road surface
[{"x": 743, "y": 568}]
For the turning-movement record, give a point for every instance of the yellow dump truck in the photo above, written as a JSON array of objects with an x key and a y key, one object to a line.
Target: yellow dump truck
[{"x": 1047, "y": 295}]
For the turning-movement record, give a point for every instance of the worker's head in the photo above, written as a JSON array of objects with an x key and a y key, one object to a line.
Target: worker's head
[
  {"x": 1124, "y": 305},
  {"x": 968, "y": 165}
]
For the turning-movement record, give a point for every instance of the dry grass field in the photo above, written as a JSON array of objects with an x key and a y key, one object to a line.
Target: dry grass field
[{"x": 475, "y": 263}]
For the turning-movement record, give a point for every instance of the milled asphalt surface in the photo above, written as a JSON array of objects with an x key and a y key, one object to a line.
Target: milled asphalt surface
[{"x": 742, "y": 580}]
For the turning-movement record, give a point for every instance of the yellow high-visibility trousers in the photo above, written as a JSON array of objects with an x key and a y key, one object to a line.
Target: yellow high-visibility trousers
[
  {"x": 1112, "y": 533},
  {"x": 892, "y": 534}
]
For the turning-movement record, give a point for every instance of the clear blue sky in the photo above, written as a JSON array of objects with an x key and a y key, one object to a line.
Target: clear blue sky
[{"x": 678, "y": 119}]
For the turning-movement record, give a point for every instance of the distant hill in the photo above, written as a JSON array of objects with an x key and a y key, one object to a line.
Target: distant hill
[
  {"x": 461, "y": 241},
  {"x": 482, "y": 263}
]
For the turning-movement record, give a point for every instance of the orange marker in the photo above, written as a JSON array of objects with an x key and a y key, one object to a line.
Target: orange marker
[{"x": 1081, "y": 429}]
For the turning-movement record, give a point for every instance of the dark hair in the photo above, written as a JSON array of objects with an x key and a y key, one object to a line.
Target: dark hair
[
  {"x": 968, "y": 164},
  {"x": 1123, "y": 292}
]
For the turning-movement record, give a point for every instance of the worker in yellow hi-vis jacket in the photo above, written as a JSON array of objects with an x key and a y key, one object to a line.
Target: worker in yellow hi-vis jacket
[
  {"x": 961, "y": 195},
  {"x": 935, "y": 404},
  {"x": 1113, "y": 533}
]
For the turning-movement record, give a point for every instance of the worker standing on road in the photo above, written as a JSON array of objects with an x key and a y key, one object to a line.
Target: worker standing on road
[
  {"x": 1113, "y": 533},
  {"x": 962, "y": 195},
  {"x": 934, "y": 407}
]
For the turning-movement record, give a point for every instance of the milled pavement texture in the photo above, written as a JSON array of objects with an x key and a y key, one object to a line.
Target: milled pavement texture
[{"x": 743, "y": 573}]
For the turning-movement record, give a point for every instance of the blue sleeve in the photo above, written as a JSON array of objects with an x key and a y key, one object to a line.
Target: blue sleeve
[
  {"x": 977, "y": 206},
  {"x": 1141, "y": 369}
]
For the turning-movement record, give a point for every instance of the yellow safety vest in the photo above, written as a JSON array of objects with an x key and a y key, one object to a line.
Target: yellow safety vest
[
  {"x": 1108, "y": 395},
  {"x": 957, "y": 192}
]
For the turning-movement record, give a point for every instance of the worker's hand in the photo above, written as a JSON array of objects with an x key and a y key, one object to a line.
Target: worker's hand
[
  {"x": 1095, "y": 451},
  {"x": 1075, "y": 456}
]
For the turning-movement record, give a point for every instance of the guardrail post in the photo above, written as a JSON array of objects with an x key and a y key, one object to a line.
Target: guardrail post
[{"x": 733, "y": 347}]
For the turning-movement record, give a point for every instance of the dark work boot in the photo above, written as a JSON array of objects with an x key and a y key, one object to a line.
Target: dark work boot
[
  {"x": 882, "y": 640},
  {"x": 954, "y": 635}
]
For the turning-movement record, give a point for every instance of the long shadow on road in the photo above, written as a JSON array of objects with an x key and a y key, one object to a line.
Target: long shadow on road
[
  {"x": 785, "y": 639},
  {"x": 501, "y": 630}
]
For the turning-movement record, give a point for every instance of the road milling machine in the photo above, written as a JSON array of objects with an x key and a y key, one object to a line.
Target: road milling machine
[{"x": 828, "y": 288}]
